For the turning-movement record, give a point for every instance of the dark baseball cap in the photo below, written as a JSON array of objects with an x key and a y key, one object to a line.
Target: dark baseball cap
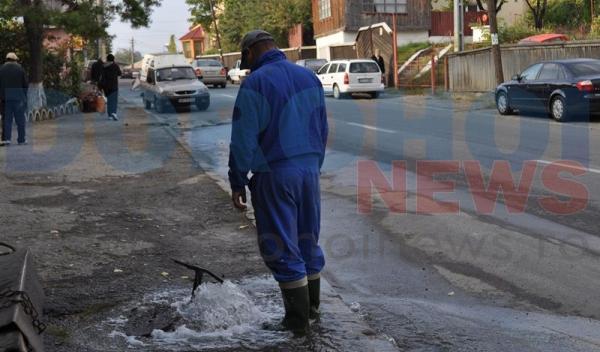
[{"x": 248, "y": 41}]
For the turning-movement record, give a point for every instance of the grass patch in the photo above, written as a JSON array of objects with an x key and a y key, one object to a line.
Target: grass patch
[
  {"x": 406, "y": 51},
  {"x": 62, "y": 335}
]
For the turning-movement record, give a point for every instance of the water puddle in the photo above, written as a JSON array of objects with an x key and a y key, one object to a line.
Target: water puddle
[{"x": 221, "y": 316}]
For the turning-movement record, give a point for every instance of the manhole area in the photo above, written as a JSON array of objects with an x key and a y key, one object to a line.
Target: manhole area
[{"x": 241, "y": 314}]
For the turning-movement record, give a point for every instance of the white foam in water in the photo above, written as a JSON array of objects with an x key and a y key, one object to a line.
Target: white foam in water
[
  {"x": 220, "y": 315},
  {"x": 222, "y": 307},
  {"x": 131, "y": 340}
]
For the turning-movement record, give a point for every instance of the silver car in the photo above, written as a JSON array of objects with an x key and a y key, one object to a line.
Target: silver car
[
  {"x": 210, "y": 71},
  {"x": 174, "y": 87}
]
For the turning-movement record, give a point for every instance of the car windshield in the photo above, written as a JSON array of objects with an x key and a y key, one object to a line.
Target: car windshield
[
  {"x": 364, "y": 67},
  {"x": 208, "y": 63},
  {"x": 315, "y": 64},
  {"x": 586, "y": 68},
  {"x": 175, "y": 73}
]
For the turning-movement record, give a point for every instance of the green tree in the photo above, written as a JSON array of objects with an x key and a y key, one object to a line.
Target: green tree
[
  {"x": 237, "y": 17},
  {"x": 538, "y": 12},
  {"x": 201, "y": 12},
  {"x": 499, "y": 4},
  {"x": 124, "y": 56},
  {"x": 567, "y": 13},
  {"x": 172, "y": 47},
  {"x": 78, "y": 17}
]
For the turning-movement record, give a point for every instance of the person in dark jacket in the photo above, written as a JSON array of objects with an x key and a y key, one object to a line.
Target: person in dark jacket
[
  {"x": 13, "y": 93},
  {"x": 97, "y": 68},
  {"x": 109, "y": 84},
  {"x": 381, "y": 62},
  {"x": 279, "y": 133}
]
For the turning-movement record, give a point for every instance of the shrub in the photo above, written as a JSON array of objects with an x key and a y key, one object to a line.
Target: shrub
[
  {"x": 565, "y": 13},
  {"x": 595, "y": 32},
  {"x": 514, "y": 33}
]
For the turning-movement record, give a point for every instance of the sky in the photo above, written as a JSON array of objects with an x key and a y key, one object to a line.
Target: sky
[{"x": 170, "y": 18}]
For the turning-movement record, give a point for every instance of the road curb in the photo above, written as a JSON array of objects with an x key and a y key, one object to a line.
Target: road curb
[{"x": 365, "y": 338}]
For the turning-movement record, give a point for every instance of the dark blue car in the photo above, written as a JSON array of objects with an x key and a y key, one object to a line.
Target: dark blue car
[{"x": 564, "y": 89}]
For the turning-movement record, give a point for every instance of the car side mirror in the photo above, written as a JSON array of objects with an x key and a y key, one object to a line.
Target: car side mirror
[{"x": 516, "y": 78}]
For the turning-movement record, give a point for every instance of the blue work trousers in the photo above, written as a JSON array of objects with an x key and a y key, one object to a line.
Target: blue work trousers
[{"x": 287, "y": 208}]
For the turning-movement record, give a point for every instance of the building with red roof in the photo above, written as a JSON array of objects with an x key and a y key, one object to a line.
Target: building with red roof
[{"x": 193, "y": 42}]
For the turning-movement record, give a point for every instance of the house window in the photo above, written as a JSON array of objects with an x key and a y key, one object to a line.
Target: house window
[
  {"x": 384, "y": 6},
  {"x": 324, "y": 9}
]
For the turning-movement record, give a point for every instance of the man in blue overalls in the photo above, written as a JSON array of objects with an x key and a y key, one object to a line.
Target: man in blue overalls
[{"x": 279, "y": 133}]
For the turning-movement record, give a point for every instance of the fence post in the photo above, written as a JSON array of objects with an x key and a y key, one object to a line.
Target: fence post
[
  {"x": 433, "y": 78},
  {"x": 446, "y": 74}
]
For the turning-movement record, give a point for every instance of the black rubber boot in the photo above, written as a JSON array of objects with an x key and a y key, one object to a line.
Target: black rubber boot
[
  {"x": 314, "y": 293},
  {"x": 297, "y": 306}
]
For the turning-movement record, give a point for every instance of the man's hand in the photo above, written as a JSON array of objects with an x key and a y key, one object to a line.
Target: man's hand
[{"x": 239, "y": 199}]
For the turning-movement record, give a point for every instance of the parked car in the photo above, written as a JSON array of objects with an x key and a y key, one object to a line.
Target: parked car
[
  {"x": 343, "y": 77},
  {"x": 545, "y": 39},
  {"x": 126, "y": 72},
  {"x": 312, "y": 64},
  {"x": 237, "y": 75},
  {"x": 210, "y": 71},
  {"x": 561, "y": 88},
  {"x": 169, "y": 80}
]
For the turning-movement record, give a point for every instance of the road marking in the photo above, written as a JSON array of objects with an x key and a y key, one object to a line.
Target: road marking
[
  {"x": 574, "y": 167},
  {"x": 372, "y": 128}
]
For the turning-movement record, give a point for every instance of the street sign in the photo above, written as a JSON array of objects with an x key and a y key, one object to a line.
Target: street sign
[{"x": 384, "y": 6}]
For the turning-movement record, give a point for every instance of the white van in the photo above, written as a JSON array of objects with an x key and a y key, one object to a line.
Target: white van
[
  {"x": 343, "y": 77},
  {"x": 168, "y": 80},
  {"x": 236, "y": 74}
]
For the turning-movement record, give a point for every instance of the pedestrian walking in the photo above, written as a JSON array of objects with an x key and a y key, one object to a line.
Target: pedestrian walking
[
  {"x": 279, "y": 133},
  {"x": 109, "y": 83},
  {"x": 13, "y": 93},
  {"x": 96, "y": 74}
]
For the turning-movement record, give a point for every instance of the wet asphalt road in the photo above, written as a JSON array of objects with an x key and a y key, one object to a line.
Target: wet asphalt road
[{"x": 485, "y": 277}]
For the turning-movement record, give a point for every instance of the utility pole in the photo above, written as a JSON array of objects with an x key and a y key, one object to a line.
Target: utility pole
[
  {"x": 592, "y": 10},
  {"x": 395, "y": 48},
  {"x": 459, "y": 19},
  {"x": 132, "y": 52},
  {"x": 214, "y": 16},
  {"x": 496, "y": 53}
]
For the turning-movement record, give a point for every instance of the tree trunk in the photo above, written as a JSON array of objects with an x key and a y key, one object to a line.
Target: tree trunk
[
  {"x": 539, "y": 22},
  {"x": 35, "y": 38},
  {"x": 495, "y": 52}
]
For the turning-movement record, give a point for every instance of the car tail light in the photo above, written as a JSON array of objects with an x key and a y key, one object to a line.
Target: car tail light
[
  {"x": 223, "y": 72},
  {"x": 346, "y": 78},
  {"x": 198, "y": 72},
  {"x": 585, "y": 86},
  {"x": 383, "y": 79}
]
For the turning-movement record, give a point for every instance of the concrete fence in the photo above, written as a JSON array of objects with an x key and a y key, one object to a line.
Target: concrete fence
[{"x": 471, "y": 71}]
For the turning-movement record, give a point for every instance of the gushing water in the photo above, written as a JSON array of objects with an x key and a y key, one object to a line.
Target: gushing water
[{"x": 219, "y": 316}]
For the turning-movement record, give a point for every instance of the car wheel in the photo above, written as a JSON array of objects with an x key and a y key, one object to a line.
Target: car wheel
[
  {"x": 203, "y": 106},
  {"x": 158, "y": 106},
  {"x": 374, "y": 95},
  {"x": 502, "y": 104},
  {"x": 224, "y": 85},
  {"x": 148, "y": 104},
  {"x": 336, "y": 92},
  {"x": 558, "y": 108}
]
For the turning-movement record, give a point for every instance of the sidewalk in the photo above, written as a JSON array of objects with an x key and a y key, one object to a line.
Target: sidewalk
[{"x": 104, "y": 206}]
